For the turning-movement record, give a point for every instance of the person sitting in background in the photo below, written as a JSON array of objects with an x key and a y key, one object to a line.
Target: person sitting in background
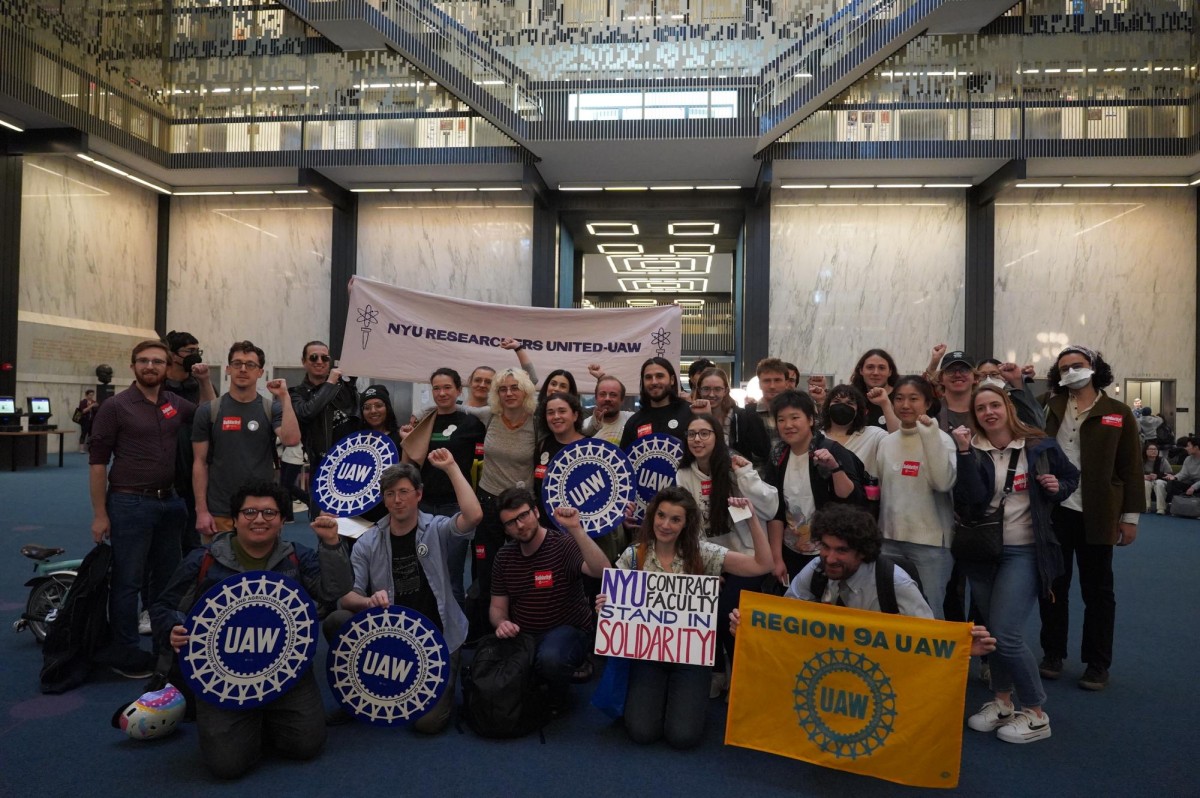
[
  {"x": 1158, "y": 473},
  {"x": 1187, "y": 481}
]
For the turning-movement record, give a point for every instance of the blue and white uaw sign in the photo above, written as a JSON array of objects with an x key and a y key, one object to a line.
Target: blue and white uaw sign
[
  {"x": 389, "y": 666},
  {"x": 655, "y": 461},
  {"x": 250, "y": 638},
  {"x": 594, "y": 477},
  {"x": 347, "y": 481}
]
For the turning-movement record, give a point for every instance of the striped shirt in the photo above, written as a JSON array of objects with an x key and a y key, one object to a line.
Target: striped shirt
[{"x": 544, "y": 590}]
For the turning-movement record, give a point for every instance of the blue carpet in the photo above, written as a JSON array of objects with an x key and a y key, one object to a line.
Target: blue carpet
[{"x": 1127, "y": 741}]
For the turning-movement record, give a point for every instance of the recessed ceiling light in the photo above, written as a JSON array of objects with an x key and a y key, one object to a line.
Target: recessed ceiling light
[
  {"x": 412, "y": 190},
  {"x": 899, "y": 185},
  {"x": 456, "y": 188},
  {"x": 642, "y": 303},
  {"x": 203, "y": 193},
  {"x": 670, "y": 188},
  {"x": 625, "y": 188},
  {"x": 694, "y": 228},
  {"x": 612, "y": 228},
  {"x": 1039, "y": 185},
  {"x": 579, "y": 188},
  {"x": 718, "y": 188},
  {"x": 369, "y": 190},
  {"x": 805, "y": 185},
  {"x": 854, "y": 185},
  {"x": 620, "y": 249},
  {"x": 693, "y": 249},
  {"x": 947, "y": 185}
]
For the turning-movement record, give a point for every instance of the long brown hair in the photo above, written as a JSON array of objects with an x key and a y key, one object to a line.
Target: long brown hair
[
  {"x": 1016, "y": 427},
  {"x": 687, "y": 545}
]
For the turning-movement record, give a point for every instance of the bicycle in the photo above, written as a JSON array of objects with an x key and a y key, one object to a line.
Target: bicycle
[{"x": 52, "y": 581}]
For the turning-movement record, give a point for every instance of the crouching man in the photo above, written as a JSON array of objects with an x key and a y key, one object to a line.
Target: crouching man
[{"x": 232, "y": 741}]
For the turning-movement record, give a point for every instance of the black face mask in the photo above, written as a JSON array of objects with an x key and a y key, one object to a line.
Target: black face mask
[
  {"x": 842, "y": 415},
  {"x": 191, "y": 360}
]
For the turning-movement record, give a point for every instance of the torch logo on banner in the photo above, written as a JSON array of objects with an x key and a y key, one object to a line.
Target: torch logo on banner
[{"x": 366, "y": 317}]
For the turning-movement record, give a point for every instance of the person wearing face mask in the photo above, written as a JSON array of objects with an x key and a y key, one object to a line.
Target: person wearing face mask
[
  {"x": 1017, "y": 380},
  {"x": 844, "y": 419},
  {"x": 187, "y": 377},
  {"x": 1100, "y": 438}
]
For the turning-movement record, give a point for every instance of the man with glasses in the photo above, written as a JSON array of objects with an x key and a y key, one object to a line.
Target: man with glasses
[
  {"x": 134, "y": 504},
  {"x": 293, "y": 725},
  {"x": 233, "y": 438},
  {"x": 322, "y": 401},
  {"x": 404, "y": 560},
  {"x": 537, "y": 588}
]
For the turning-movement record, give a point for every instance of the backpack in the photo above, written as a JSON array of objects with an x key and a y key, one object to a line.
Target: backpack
[
  {"x": 80, "y": 630},
  {"x": 500, "y": 695},
  {"x": 214, "y": 411},
  {"x": 885, "y": 581}
]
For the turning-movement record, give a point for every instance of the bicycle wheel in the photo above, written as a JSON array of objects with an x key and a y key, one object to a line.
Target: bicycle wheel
[{"x": 47, "y": 598}]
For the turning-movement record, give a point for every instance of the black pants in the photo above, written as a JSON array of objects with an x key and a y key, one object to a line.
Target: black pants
[
  {"x": 1096, "y": 586},
  {"x": 489, "y": 537}
]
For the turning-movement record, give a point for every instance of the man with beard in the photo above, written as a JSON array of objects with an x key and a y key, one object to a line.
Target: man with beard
[
  {"x": 134, "y": 504},
  {"x": 608, "y": 419},
  {"x": 321, "y": 402},
  {"x": 661, "y": 408}
]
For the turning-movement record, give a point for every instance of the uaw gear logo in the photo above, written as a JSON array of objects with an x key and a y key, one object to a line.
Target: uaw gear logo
[
  {"x": 347, "y": 481},
  {"x": 654, "y": 460},
  {"x": 250, "y": 638},
  {"x": 845, "y": 703},
  {"x": 594, "y": 477},
  {"x": 389, "y": 666}
]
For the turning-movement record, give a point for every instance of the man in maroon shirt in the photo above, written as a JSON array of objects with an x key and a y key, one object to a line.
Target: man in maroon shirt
[
  {"x": 135, "y": 505},
  {"x": 537, "y": 590}
]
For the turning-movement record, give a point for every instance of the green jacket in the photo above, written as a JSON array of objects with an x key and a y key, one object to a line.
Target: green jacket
[{"x": 1110, "y": 464}]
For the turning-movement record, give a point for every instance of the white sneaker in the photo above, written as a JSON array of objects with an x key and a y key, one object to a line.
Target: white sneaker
[
  {"x": 144, "y": 627},
  {"x": 991, "y": 716},
  {"x": 1025, "y": 727}
]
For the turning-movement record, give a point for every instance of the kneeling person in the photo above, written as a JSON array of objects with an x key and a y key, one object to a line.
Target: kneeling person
[
  {"x": 231, "y": 741},
  {"x": 537, "y": 589},
  {"x": 404, "y": 560}
]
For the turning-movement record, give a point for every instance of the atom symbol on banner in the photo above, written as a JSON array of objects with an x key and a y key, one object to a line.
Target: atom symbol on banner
[
  {"x": 366, "y": 317},
  {"x": 661, "y": 338}
]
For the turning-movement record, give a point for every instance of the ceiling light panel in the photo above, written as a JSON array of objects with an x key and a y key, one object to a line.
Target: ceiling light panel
[
  {"x": 693, "y": 249},
  {"x": 694, "y": 228},
  {"x": 657, "y": 264},
  {"x": 620, "y": 249},
  {"x": 656, "y": 285},
  {"x": 612, "y": 228}
]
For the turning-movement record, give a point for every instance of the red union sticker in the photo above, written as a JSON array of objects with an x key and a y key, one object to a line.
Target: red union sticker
[
  {"x": 231, "y": 423},
  {"x": 645, "y": 429},
  {"x": 540, "y": 472},
  {"x": 1113, "y": 420},
  {"x": 543, "y": 579},
  {"x": 479, "y": 450},
  {"x": 1020, "y": 483},
  {"x": 706, "y": 487},
  {"x": 481, "y": 552},
  {"x": 169, "y": 411},
  {"x": 911, "y": 468}
]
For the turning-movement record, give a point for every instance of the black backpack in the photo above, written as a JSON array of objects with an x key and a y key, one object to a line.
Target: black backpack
[
  {"x": 885, "y": 581},
  {"x": 80, "y": 630},
  {"x": 500, "y": 695}
]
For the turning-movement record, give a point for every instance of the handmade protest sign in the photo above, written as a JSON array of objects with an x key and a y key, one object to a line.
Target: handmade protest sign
[
  {"x": 389, "y": 665},
  {"x": 657, "y": 616},
  {"x": 867, "y": 692},
  {"x": 347, "y": 480},
  {"x": 594, "y": 477},
  {"x": 655, "y": 461},
  {"x": 250, "y": 638}
]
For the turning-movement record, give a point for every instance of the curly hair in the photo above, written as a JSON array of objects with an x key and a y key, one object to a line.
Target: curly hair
[
  {"x": 259, "y": 489},
  {"x": 687, "y": 545},
  {"x": 720, "y": 469},
  {"x": 523, "y": 382},
  {"x": 852, "y": 525},
  {"x": 1101, "y": 378},
  {"x": 856, "y": 379}
]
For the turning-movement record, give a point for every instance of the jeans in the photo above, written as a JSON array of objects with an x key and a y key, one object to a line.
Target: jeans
[
  {"x": 232, "y": 740},
  {"x": 145, "y": 535},
  {"x": 457, "y": 548},
  {"x": 560, "y": 652},
  {"x": 934, "y": 565},
  {"x": 1007, "y": 593},
  {"x": 1159, "y": 488},
  {"x": 667, "y": 700},
  {"x": 1096, "y": 587}
]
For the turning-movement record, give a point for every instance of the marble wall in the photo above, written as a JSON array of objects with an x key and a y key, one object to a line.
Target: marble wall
[
  {"x": 1113, "y": 269},
  {"x": 87, "y": 278},
  {"x": 468, "y": 245},
  {"x": 250, "y": 267},
  {"x": 852, "y": 270}
]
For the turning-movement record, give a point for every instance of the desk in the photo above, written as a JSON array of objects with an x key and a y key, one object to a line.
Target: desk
[{"x": 28, "y": 449}]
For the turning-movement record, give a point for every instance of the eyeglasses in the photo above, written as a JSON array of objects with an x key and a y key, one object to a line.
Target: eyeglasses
[
  {"x": 398, "y": 493},
  {"x": 516, "y": 519},
  {"x": 509, "y": 389},
  {"x": 157, "y": 362},
  {"x": 699, "y": 434},
  {"x": 190, "y": 350},
  {"x": 248, "y": 365},
  {"x": 250, "y": 513},
  {"x": 318, "y": 358}
]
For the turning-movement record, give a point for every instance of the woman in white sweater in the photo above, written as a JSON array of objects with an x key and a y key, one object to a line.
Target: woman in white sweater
[
  {"x": 713, "y": 476},
  {"x": 917, "y": 469}
]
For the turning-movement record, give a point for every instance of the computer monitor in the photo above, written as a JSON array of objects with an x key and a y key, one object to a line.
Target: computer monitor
[
  {"x": 8, "y": 406},
  {"x": 39, "y": 409}
]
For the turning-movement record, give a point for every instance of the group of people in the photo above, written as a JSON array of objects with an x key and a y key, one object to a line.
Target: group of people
[{"x": 803, "y": 487}]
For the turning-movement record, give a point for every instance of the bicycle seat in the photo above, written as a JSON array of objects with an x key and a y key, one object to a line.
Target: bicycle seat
[{"x": 40, "y": 553}]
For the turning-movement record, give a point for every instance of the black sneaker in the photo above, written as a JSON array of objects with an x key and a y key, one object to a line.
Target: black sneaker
[
  {"x": 137, "y": 664},
  {"x": 1094, "y": 678},
  {"x": 1051, "y": 667},
  {"x": 132, "y": 672}
]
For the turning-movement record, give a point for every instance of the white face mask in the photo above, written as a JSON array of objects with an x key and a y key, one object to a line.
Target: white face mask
[
  {"x": 1076, "y": 378},
  {"x": 991, "y": 382}
]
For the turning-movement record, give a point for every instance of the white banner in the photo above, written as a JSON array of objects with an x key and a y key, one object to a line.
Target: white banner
[
  {"x": 400, "y": 334},
  {"x": 657, "y": 616}
]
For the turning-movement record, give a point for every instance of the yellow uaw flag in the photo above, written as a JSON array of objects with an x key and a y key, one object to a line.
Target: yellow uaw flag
[{"x": 867, "y": 692}]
